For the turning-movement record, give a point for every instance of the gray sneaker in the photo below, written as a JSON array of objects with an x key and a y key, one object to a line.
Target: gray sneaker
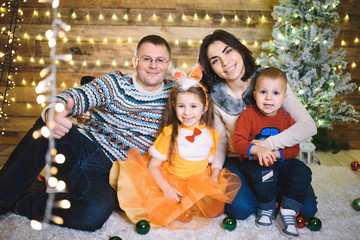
[
  {"x": 264, "y": 217},
  {"x": 286, "y": 223}
]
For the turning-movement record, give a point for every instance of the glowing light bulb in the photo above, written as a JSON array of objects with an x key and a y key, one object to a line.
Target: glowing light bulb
[
  {"x": 207, "y": 17},
  {"x": 356, "y": 40},
  {"x": 36, "y": 225},
  {"x": 101, "y": 17},
  {"x": 114, "y": 17},
  {"x": 126, "y": 17}
]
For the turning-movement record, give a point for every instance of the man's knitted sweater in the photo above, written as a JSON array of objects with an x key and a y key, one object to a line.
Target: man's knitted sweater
[{"x": 124, "y": 115}]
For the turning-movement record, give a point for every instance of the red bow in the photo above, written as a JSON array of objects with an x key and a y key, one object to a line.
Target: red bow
[{"x": 196, "y": 133}]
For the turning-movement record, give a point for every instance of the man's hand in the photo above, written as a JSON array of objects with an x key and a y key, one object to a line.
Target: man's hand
[{"x": 62, "y": 123}]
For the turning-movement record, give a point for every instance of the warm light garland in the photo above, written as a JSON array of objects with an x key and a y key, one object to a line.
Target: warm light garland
[
  {"x": 46, "y": 90},
  {"x": 9, "y": 57}
]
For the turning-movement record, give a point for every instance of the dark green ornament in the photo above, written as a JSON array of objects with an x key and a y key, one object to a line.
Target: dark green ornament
[
  {"x": 356, "y": 204},
  {"x": 115, "y": 238},
  {"x": 314, "y": 224},
  {"x": 143, "y": 227},
  {"x": 229, "y": 223}
]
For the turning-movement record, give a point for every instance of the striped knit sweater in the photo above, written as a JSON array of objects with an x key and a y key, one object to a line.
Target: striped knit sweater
[{"x": 124, "y": 115}]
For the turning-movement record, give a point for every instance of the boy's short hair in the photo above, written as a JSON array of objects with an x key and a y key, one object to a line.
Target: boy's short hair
[{"x": 272, "y": 73}]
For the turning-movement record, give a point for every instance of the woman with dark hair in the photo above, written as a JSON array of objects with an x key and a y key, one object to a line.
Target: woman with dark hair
[{"x": 229, "y": 71}]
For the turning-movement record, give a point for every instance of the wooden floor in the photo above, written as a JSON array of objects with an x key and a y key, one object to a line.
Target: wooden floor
[{"x": 342, "y": 158}]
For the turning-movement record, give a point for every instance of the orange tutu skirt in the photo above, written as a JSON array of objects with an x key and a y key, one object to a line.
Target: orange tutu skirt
[{"x": 141, "y": 198}]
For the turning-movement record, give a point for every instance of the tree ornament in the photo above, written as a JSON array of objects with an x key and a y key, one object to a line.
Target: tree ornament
[
  {"x": 356, "y": 204},
  {"x": 314, "y": 224},
  {"x": 115, "y": 238},
  {"x": 301, "y": 222},
  {"x": 229, "y": 223},
  {"x": 185, "y": 217},
  {"x": 355, "y": 165},
  {"x": 143, "y": 227}
]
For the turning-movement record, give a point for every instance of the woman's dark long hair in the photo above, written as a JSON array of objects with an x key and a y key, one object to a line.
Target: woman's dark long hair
[{"x": 209, "y": 76}]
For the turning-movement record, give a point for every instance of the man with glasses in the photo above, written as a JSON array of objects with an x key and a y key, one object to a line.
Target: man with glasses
[{"x": 126, "y": 113}]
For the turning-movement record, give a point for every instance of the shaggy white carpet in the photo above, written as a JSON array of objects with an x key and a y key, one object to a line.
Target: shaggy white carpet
[{"x": 335, "y": 187}]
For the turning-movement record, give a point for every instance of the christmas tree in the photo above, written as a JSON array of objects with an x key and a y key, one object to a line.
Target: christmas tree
[{"x": 304, "y": 35}]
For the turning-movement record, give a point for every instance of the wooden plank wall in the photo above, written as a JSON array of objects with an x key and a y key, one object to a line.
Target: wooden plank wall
[{"x": 106, "y": 44}]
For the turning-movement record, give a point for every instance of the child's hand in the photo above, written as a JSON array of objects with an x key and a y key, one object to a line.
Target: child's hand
[
  {"x": 215, "y": 173},
  {"x": 171, "y": 192},
  {"x": 265, "y": 156}
]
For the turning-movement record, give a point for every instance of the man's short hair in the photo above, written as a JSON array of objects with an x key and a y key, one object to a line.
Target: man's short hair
[{"x": 154, "y": 39}]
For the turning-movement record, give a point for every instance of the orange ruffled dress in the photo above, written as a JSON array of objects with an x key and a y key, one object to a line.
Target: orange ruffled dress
[{"x": 141, "y": 198}]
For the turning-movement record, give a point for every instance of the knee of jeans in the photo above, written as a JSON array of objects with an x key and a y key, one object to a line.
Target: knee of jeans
[
  {"x": 239, "y": 211},
  {"x": 308, "y": 212},
  {"x": 309, "y": 209},
  {"x": 91, "y": 220}
]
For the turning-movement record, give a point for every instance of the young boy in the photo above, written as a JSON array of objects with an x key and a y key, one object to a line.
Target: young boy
[{"x": 265, "y": 169}]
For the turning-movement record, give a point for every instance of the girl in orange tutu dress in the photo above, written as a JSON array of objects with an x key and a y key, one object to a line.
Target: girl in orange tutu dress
[{"x": 181, "y": 186}]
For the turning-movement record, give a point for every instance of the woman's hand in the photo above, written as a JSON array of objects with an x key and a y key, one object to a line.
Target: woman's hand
[{"x": 262, "y": 143}]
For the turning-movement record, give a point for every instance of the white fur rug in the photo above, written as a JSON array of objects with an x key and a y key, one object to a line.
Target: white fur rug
[{"x": 335, "y": 187}]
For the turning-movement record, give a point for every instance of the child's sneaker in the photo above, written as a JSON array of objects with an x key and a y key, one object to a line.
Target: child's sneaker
[
  {"x": 264, "y": 217},
  {"x": 286, "y": 222}
]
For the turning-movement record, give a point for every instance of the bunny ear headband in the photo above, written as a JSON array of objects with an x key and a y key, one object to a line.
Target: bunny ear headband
[{"x": 193, "y": 80}]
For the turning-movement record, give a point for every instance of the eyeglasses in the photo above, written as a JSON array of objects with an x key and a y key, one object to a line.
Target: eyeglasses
[{"x": 149, "y": 60}]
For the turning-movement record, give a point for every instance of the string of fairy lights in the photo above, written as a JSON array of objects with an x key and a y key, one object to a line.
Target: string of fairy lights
[
  {"x": 46, "y": 90},
  {"x": 7, "y": 64}
]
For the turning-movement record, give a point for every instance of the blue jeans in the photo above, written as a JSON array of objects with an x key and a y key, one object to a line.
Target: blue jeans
[
  {"x": 245, "y": 202},
  {"x": 85, "y": 172}
]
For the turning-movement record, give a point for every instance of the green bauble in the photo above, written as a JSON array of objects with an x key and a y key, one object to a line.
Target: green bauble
[
  {"x": 314, "y": 224},
  {"x": 143, "y": 227},
  {"x": 229, "y": 223},
  {"x": 356, "y": 204},
  {"x": 115, "y": 238}
]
